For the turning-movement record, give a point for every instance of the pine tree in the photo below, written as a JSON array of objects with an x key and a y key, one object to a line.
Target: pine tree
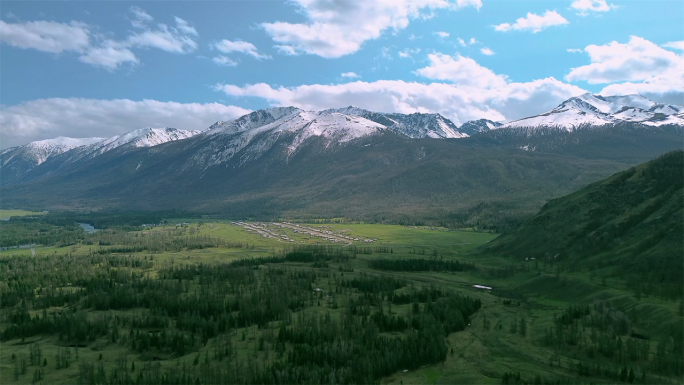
[{"x": 523, "y": 326}]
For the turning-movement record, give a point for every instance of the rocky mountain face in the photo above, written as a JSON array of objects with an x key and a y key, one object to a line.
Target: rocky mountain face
[{"x": 474, "y": 127}]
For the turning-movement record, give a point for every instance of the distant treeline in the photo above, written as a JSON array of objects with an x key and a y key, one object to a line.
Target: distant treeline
[{"x": 420, "y": 264}]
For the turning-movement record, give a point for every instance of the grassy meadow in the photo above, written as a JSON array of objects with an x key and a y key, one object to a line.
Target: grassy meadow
[{"x": 493, "y": 344}]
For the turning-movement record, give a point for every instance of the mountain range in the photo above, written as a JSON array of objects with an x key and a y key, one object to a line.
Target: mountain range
[{"x": 348, "y": 162}]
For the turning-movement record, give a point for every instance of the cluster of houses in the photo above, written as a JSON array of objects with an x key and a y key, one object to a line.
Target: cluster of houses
[{"x": 268, "y": 230}]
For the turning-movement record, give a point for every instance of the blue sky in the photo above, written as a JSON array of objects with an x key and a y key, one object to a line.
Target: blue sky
[{"x": 103, "y": 68}]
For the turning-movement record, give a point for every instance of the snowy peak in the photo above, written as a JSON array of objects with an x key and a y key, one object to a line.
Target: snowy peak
[
  {"x": 37, "y": 152},
  {"x": 252, "y": 120},
  {"x": 416, "y": 125},
  {"x": 596, "y": 110},
  {"x": 473, "y": 127},
  {"x": 43, "y": 149},
  {"x": 144, "y": 137}
]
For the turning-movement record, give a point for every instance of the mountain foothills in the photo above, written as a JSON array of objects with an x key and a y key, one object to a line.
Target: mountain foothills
[
  {"x": 349, "y": 162},
  {"x": 631, "y": 221}
]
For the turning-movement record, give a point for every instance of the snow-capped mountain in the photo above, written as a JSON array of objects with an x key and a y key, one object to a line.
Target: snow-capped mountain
[
  {"x": 416, "y": 125},
  {"x": 39, "y": 151},
  {"x": 144, "y": 137},
  {"x": 252, "y": 135},
  {"x": 596, "y": 110},
  {"x": 21, "y": 159},
  {"x": 286, "y": 129},
  {"x": 473, "y": 127},
  {"x": 16, "y": 161},
  {"x": 256, "y": 133}
]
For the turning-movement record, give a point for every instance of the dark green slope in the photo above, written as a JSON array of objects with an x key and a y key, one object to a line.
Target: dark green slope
[
  {"x": 631, "y": 222},
  {"x": 488, "y": 181},
  {"x": 388, "y": 178}
]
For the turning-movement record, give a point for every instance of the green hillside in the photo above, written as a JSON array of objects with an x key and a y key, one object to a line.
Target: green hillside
[{"x": 630, "y": 223}]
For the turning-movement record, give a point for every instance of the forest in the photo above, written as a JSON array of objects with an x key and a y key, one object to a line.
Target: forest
[{"x": 154, "y": 298}]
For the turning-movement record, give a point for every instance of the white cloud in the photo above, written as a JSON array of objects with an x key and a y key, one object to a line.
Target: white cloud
[
  {"x": 487, "y": 51},
  {"x": 140, "y": 14},
  {"x": 79, "y": 118},
  {"x": 461, "y": 42},
  {"x": 227, "y": 46},
  {"x": 97, "y": 49},
  {"x": 475, "y": 92},
  {"x": 637, "y": 60},
  {"x": 109, "y": 57},
  {"x": 351, "y": 75},
  {"x": 643, "y": 66},
  {"x": 675, "y": 44},
  {"x": 534, "y": 22},
  {"x": 574, "y": 50},
  {"x": 286, "y": 50},
  {"x": 224, "y": 61},
  {"x": 472, "y": 41},
  {"x": 185, "y": 27},
  {"x": 408, "y": 53},
  {"x": 585, "y": 6},
  {"x": 140, "y": 17},
  {"x": 337, "y": 28},
  {"x": 169, "y": 39},
  {"x": 442, "y": 34},
  {"x": 461, "y": 70},
  {"x": 46, "y": 36}
]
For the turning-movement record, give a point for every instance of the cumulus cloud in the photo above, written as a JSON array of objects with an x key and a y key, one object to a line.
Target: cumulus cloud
[
  {"x": 224, "y": 61},
  {"x": 487, "y": 51},
  {"x": 675, "y": 44},
  {"x": 533, "y": 22},
  {"x": 80, "y": 118},
  {"x": 46, "y": 36},
  {"x": 584, "y": 7},
  {"x": 638, "y": 59},
  {"x": 642, "y": 66},
  {"x": 351, "y": 75},
  {"x": 461, "y": 70},
  {"x": 97, "y": 49},
  {"x": 442, "y": 34},
  {"x": 227, "y": 46},
  {"x": 461, "y": 42},
  {"x": 471, "y": 92},
  {"x": 337, "y": 28},
  {"x": 574, "y": 50}
]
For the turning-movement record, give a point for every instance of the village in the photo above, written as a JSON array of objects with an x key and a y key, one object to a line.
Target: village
[{"x": 296, "y": 233}]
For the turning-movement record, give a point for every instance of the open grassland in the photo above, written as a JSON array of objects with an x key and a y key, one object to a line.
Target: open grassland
[
  {"x": 18, "y": 213},
  {"x": 514, "y": 330}
]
